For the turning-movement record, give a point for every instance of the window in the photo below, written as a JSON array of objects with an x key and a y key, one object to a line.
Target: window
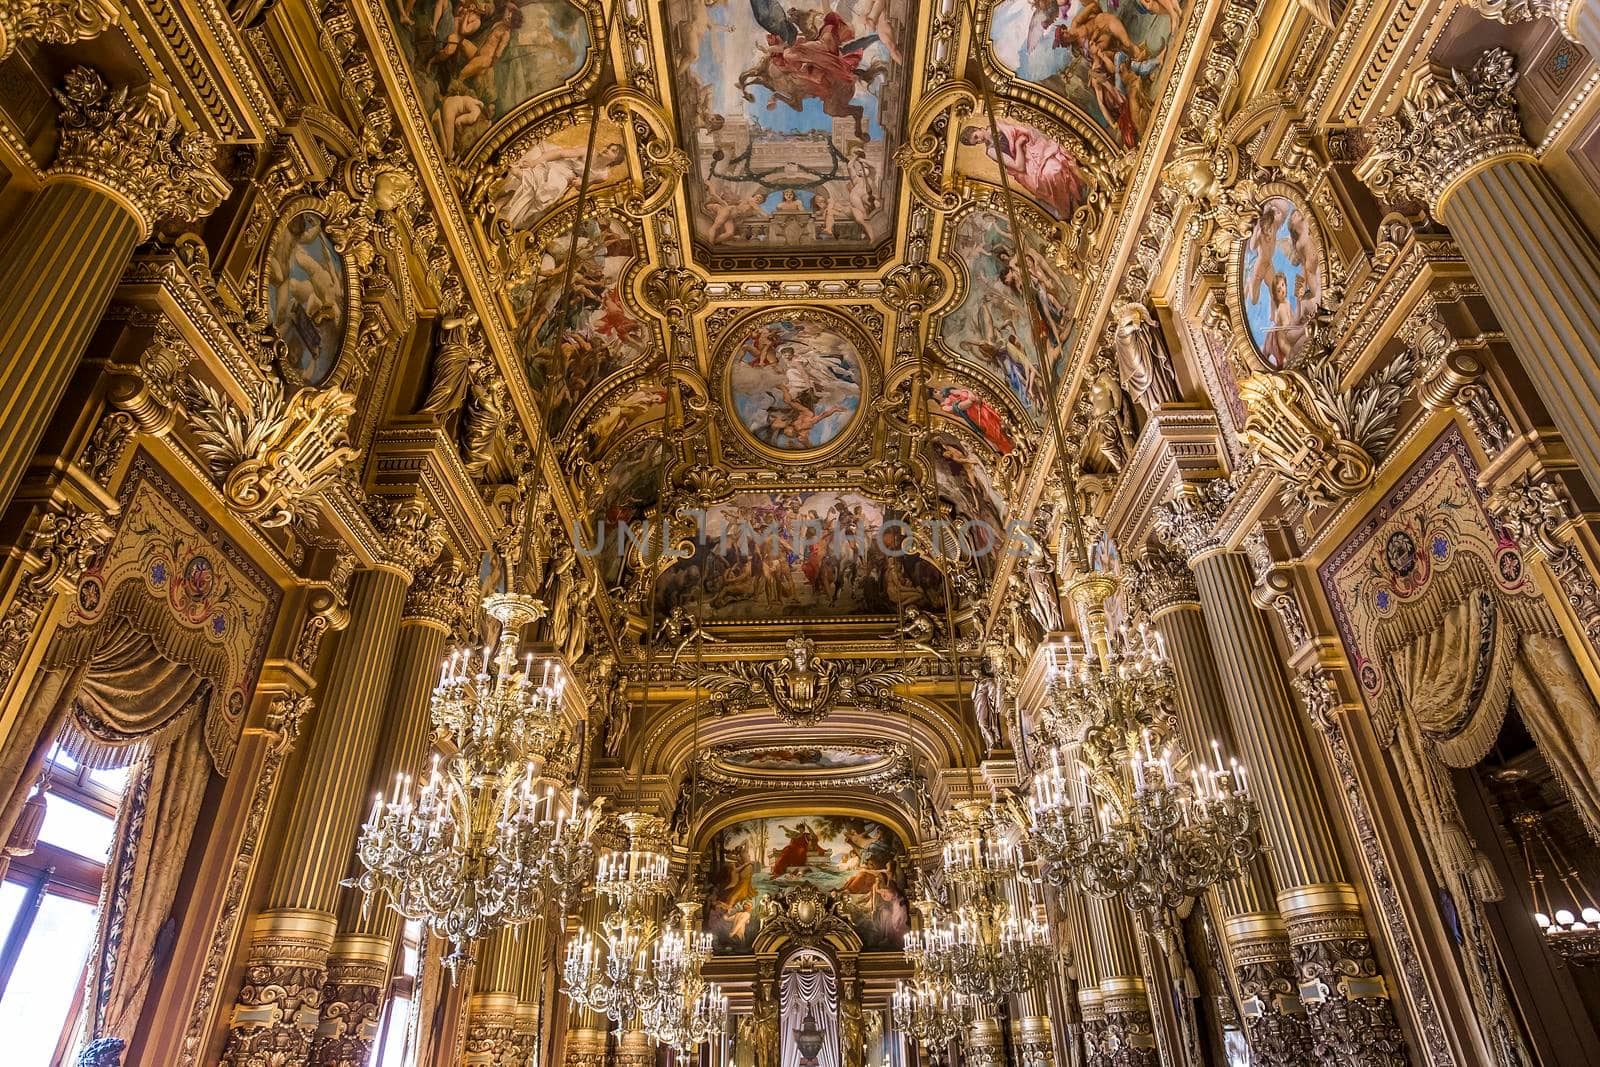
[
  {"x": 395, "y": 1044},
  {"x": 48, "y": 909}
]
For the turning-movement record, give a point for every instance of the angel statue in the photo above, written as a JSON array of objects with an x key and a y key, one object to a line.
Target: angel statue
[
  {"x": 919, "y": 630},
  {"x": 682, "y": 627}
]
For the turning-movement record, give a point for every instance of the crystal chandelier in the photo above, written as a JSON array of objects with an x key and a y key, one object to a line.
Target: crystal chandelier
[
  {"x": 690, "y": 1010},
  {"x": 628, "y": 968},
  {"x": 488, "y": 841},
  {"x": 930, "y": 1013},
  {"x": 1127, "y": 824},
  {"x": 1573, "y": 937},
  {"x": 992, "y": 941}
]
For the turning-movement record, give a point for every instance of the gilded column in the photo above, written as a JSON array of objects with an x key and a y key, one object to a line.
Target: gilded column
[
  {"x": 1455, "y": 145},
  {"x": 322, "y": 828},
  {"x": 492, "y": 1009},
  {"x": 121, "y": 166},
  {"x": 531, "y": 992},
  {"x": 585, "y": 1041},
  {"x": 1031, "y": 1035},
  {"x": 1352, "y": 1020},
  {"x": 1128, "y": 1038},
  {"x": 1258, "y": 945},
  {"x": 358, "y": 966},
  {"x": 986, "y": 1042}
]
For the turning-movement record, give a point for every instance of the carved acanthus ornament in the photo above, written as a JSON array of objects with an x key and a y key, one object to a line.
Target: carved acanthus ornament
[
  {"x": 64, "y": 542},
  {"x": 805, "y": 914},
  {"x": 415, "y": 537},
  {"x": 1449, "y": 122},
  {"x": 352, "y": 997},
  {"x": 150, "y": 392},
  {"x": 136, "y": 149},
  {"x": 1188, "y": 523},
  {"x": 438, "y": 592},
  {"x": 802, "y": 687},
  {"x": 1129, "y": 1037},
  {"x": 1516, "y": 12},
  {"x": 53, "y": 21},
  {"x": 327, "y": 610},
  {"x": 276, "y": 1016},
  {"x": 1324, "y": 439},
  {"x": 277, "y": 457},
  {"x": 1161, "y": 580},
  {"x": 1347, "y": 1000}
]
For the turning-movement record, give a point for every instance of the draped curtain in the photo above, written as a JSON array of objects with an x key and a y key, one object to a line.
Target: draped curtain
[
  {"x": 810, "y": 991},
  {"x": 125, "y": 704}
]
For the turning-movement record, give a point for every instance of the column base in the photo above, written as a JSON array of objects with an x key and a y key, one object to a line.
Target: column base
[
  {"x": 585, "y": 1048},
  {"x": 525, "y": 1032},
  {"x": 1034, "y": 1041},
  {"x": 352, "y": 1000},
  {"x": 635, "y": 1050},
  {"x": 276, "y": 1015},
  {"x": 1130, "y": 1034},
  {"x": 491, "y": 1030},
  {"x": 1352, "y": 1019},
  {"x": 986, "y": 1045},
  {"x": 1276, "y": 1024},
  {"x": 1092, "y": 1008}
]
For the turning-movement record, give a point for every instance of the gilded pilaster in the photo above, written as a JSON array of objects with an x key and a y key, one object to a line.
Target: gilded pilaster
[
  {"x": 1276, "y": 1022},
  {"x": 1455, "y": 145},
  {"x": 120, "y": 167}
]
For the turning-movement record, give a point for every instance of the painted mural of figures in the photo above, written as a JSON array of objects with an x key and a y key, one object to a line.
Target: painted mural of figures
[
  {"x": 478, "y": 59},
  {"x": 796, "y": 384},
  {"x": 546, "y": 172},
  {"x": 794, "y": 858},
  {"x": 1102, "y": 56},
  {"x": 977, "y": 413},
  {"x": 815, "y": 85},
  {"x": 1281, "y": 281},
  {"x": 1043, "y": 168},
  {"x": 306, "y": 296}
]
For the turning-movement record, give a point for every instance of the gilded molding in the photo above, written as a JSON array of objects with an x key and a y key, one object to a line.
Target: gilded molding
[
  {"x": 1536, "y": 511},
  {"x": 53, "y": 21},
  {"x": 1449, "y": 123},
  {"x": 64, "y": 541},
  {"x": 135, "y": 150},
  {"x": 277, "y": 1013},
  {"x": 352, "y": 999}
]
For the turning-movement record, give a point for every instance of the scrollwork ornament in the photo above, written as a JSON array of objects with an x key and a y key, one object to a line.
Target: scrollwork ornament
[
  {"x": 415, "y": 537},
  {"x": 1161, "y": 580},
  {"x": 136, "y": 149},
  {"x": 1187, "y": 524},
  {"x": 1128, "y": 1038},
  {"x": 1352, "y": 1018},
  {"x": 1449, "y": 122},
  {"x": 352, "y": 996},
  {"x": 53, "y": 21},
  {"x": 64, "y": 542}
]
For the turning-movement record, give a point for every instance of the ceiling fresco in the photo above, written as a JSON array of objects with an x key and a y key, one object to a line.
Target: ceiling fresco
[
  {"x": 1104, "y": 59},
  {"x": 476, "y": 61},
  {"x": 791, "y": 115}
]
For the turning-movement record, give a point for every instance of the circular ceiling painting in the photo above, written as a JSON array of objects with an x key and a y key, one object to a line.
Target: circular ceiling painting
[{"x": 795, "y": 380}]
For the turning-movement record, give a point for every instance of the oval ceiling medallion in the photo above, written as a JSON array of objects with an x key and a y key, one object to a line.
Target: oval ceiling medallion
[{"x": 794, "y": 379}]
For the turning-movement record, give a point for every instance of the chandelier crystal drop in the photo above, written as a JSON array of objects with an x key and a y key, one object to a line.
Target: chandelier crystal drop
[
  {"x": 992, "y": 940},
  {"x": 1128, "y": 823},
  {"x": 488, "y": 840}
]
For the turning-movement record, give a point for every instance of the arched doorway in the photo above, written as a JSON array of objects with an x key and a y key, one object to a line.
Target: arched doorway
[{"x": 808, "y": 997}]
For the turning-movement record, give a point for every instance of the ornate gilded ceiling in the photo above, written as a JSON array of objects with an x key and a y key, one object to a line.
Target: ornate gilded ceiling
[{"x": 793, "y": 256}]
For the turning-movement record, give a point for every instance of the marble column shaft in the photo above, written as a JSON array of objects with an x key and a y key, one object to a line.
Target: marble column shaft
[
  {"x": 352, "y": 999},
  {"x": 1540, "y": 272},
  {"x": 1258, "y": 944},
  {"x": 1352, "y": 1020},
  {"x": 58, "y": 270},
  {"x": 323, "y": 824}
]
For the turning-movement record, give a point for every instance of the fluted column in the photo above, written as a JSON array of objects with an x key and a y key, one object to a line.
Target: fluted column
[
  {"x": 492, "y": 1009},
  {"x": 1258, "y": 945},
  {"x": 1128, "y": 1038},
  {"x": 1352, "y": 1020},
  {"x": 531, "y": 991},
  {"x": 358, "y": 966},
  {"x": 328, "y": 803},
  {"x": 1455, "y": 144},
  {"x": 118, "y": 170},
  {"x": 585, "y": 1042},
  {"x": 1030, "y": 1028}
]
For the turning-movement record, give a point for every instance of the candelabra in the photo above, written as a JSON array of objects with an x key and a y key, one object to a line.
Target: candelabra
[
  {"x": 1573, "y": 937},
  {"x": 1127, "y": 825},
  {"x": 631, "y": 969},
  {"x": 488, "y": 841},
  {"x": 992, "y": 941}
]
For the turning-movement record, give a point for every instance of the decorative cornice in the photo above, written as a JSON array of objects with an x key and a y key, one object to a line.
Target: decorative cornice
[
  {"x": 136, "y": 150},
  {"x": 1449, "y": 123},
  {"x": 53, "y": 21}
]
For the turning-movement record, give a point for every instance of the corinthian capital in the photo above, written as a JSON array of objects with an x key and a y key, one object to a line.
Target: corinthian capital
[
  {"x": 53, "y": 21},
  {"x": 1449, "y": 122},
  {"x": 1187, "y": 524},
  {"x": 136, "y": 150}
]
